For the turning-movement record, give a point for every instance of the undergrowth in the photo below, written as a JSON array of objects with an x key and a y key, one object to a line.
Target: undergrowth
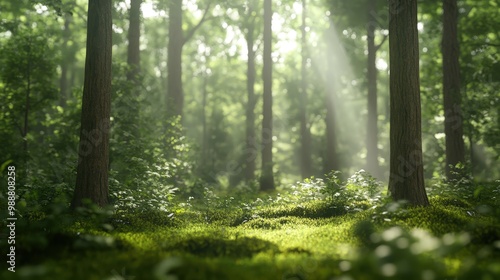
[{"x": 315, "y": 229}]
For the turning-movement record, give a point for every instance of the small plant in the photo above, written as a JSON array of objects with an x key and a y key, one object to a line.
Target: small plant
[
  {"x": 334, "y": 187},
  {"x": 366, "y": 181}
]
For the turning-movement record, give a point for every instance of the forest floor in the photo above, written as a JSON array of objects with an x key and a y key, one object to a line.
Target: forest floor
[{"x": 276, "y": 236}]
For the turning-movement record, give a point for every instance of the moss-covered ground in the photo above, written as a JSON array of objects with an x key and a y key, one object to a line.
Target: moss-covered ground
[{"x": 275, "y": 237}]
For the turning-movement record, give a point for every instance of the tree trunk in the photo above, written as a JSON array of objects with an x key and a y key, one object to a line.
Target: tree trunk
[
  {"x": 134, "y": 35},
  {"x": 174, "y": 64},
  {"x": 372, "y": 165},
  {"x": 205, "y": 141},
  {"x": 63, "y": 80},
  {"x": 92, "y": 169},
  {"x": 453, "y": 128},
  {"x": 331, "y": 160},
  {"x": 406, "y": 180},
  {"x": 267, "y": 177},
  {"x": 134, "y": 64},
  {"x": 305, "y": 133},
  {"x": 251, "y": 147}
]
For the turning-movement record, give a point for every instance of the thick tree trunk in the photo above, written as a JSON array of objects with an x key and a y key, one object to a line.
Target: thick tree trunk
[
  {"x": 92, "y": 170},
  {"x": 267, "y": 177},
  {"x": 174, "y": 64},
  {"x": 453, "y": 128},
  {"x": 372, "y": 165},
  {"x": 406, "y": 180},
  {"x": 134, "y": 35},
  {"x": 251, "y": 147},
  {"x": 305, "y": 132}
]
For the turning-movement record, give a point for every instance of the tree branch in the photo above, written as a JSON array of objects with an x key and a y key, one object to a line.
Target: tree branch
[
  {"x": 381, "y": 43},
  {"x": 197, "y": 26}
]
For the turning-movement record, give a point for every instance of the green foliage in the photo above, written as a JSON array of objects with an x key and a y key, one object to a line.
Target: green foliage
[{"x": 334, "y": 186}]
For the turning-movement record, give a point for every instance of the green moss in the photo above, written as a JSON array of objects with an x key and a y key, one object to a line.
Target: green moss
[
  {"x": 212, "y": 246},
  {"x": 269, "y": 240}
]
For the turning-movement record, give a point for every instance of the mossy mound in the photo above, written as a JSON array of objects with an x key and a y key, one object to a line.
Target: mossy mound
[{"x": 211, "y": 246}]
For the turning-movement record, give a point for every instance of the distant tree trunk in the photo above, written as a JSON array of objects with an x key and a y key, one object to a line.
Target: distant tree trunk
[
  {"x": 251, "y": 147},
  {"x": 267, "y": 177},
  {"x": 134, "y": 35},
  {"x": 27, "y": 105},
  {"x": 305, "y": 133},
  {"x": 205, "y": 140},
  {"x": 134, "y": 64},
  {"x": 372, "y": 165},
  {"x": 92, "y": 169},
  {"x": 453, "y": 128},
  {"x": 63, "y": 81},
  {"x": 406, "y": 180},
  {"x": 331, "y": 159},
  {"x": 174, "y": 64}
]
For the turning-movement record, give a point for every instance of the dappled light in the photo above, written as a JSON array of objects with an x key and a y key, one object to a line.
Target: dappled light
[{"x": 250, "y": 139}]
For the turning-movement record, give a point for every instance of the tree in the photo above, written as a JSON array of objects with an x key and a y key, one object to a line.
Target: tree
[
  {"x": 406, "y": 181},
  {"x": 63, "y": 80},
  {"x": 453, "y": 128},
  {"x": 372, "y": 164},
  {"x": 366, "y": 16},
  {"x": 250, "y": 150},
  {"x": 267, "y": 177},
  {"x": 134, "y": 35},
  {"x": 174, "y": 62},
  {"x": 305, "y": 132},
  {"x": 176, "y": 41},
  {"x": 92, "y": 169}
]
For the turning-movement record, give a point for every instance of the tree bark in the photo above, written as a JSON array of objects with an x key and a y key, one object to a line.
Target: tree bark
[
  {"x": 267, "y": 177},
  {"x": 92, "y": 169},
  {"x": 251, "y": 147},
  {"x": 372, "y": 165},
  {"x": 453, "y": 128},
  {"x": 174, "y": 64},
  {"x": 134, "y": 35},
  {"x": 406, "y": 181},
  {"x": 305, "y": 132}
]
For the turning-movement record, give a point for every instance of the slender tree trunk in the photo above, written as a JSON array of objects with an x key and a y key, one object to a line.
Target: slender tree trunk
[
  {"x": 92, "y": 169},
  {"x": 134, "y": 64},
  {"x": 63, "y": 81},
  {"x": 305, "y": 132},
  {"x": 453, "y": 128},
  {"x": 27, "y": 105},
  {"x": 251, "y": 147},
  {"x": 134, "y": 35},
  {"x": 372, "y": 127},
  {"x": 406, "y": 180},
  {"x": 174, "y": 64},
  {"x": 205, "y": 140},
  {"x": 331, "y": 159},
  {"x": 267, "y": 176}
]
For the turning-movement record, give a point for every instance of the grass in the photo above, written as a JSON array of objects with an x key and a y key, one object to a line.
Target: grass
[{"x": 286, "y": 238}]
